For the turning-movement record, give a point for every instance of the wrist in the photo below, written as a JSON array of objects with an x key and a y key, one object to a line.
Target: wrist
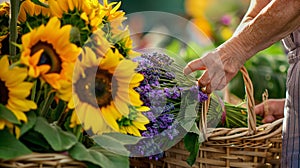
[{"x": 234, "y": 51}]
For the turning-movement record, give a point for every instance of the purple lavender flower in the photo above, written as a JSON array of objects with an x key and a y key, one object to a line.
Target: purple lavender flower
[
  {"x": 160, "y": 92},
  {"x": 198, "y": 95}
]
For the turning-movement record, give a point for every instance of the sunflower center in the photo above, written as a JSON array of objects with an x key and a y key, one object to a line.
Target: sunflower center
[
  {"x": 101, "y": 90},
  {"x": 3, "y": 93},
  {"x": 48, "y": 57}
]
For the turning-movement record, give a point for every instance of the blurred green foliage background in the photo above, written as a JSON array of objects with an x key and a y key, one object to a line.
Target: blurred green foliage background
[{"x": 217, "y": 20}]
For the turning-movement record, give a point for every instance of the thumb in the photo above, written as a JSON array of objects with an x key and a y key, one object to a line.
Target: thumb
[{"x": 194, "y": 65}]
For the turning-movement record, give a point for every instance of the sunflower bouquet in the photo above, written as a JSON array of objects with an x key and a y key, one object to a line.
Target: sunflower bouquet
[{"x": 67, "y": 80}]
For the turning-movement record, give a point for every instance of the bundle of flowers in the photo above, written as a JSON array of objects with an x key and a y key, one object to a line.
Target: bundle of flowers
[{"x": 174, "y": 101}]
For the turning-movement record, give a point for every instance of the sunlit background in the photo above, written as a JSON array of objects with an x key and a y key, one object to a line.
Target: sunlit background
[{"x": 216, "y": 20}]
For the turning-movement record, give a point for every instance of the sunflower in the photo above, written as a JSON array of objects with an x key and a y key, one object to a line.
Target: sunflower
[
  {"x": 32, "y": 15},
  {"x": 123, "y": 43},
  {"x": 111, "y": 11},
  {"x": 84, "y": 16},
  {"x": 113, "y": 17},
  {"x": 48, "y": 53},
  {"x": 14, "y": 91},
  {"x": 103, "y": 88},
  {"x": 134, "y": 122}
]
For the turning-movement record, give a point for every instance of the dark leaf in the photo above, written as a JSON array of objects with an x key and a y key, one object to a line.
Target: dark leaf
[
  {"x": 58, "y": 139},
  {"x": 8, "y": 115},
  {"x": 10, "y": 147}
]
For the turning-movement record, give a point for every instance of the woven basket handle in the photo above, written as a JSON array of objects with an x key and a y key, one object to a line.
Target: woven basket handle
[
  {"x": 250, "y": 101},
  {"x": 250, "y": 106}
]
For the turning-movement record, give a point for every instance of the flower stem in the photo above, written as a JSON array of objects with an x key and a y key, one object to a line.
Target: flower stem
[
  {"x": 46, "y": 105},
  {"x": 13, "y": 27}
]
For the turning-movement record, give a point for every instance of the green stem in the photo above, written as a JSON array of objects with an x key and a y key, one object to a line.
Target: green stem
[
  {"x": 62, "y": 118},
  {"x": 13, "y": 27},
  {"x": 47, "y": 103},
  {"x": 78, "y": 132}
]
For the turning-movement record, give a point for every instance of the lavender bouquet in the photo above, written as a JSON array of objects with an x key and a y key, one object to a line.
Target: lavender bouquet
[{"x": 174, "y": 101}]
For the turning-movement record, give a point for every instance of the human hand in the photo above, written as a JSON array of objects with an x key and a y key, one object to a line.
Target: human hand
[
  {"x": 274, "y": 112},
  {"x": 220, "y": 66}
]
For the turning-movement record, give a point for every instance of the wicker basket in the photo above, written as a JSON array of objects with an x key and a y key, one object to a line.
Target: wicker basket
[
  {"x": 42, "y": 160},
  {"x": 236, "y": 147}
]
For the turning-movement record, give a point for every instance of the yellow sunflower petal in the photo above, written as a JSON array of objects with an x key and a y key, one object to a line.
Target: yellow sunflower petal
[
  {"x": 4, "y": 67},
  {"x": 33, "y": 72},
  {"x": 17, "y": 131},
  {"x": 63, "y": 5},
  {"x": 55, "y": 8},
  {"x": 35, "y": 58},
  {"x": 133, "y": 130},
  {"x": 140, "y": 126},
  {"x": 22, "y": 90},
  {"x": 84, "y": 17},
  {"x": 52, "y": 79},
  {"x": 2, "y": 124},
  {"x": 137, "y": 78},
  {"x": 44, "y": 68},
  {"x": 71, "y": 104},
  {"x": 121, "y": 106},
  {"x": 135, "y": 98},
  {"x": 142, "y": 108},
  {"x": 109, "y": 119},
  {"x": 74, "y": 120},
  {"x": 111, "y": 61},
  {"x": 141, "y": 118},
  {"x": 76, "y": 4},
  {"x": 71, "y": 5},
  {"x": 114, "y": 111},
  {"x": 15, "y": 103},
  {"x": 20, "y": 115}
]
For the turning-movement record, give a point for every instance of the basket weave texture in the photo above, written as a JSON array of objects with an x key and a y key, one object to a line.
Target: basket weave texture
[
  {"x": 42, "y": 160},
  {"x": 235, "y": 147}
]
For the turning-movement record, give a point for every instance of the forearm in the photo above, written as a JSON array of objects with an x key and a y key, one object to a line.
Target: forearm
[
  {"x": 274, "y": 22},
  {"x": 253, "y": 10}
]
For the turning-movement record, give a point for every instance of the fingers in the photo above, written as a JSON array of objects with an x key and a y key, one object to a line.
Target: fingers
[
  {"x": 259, "y": 109},
  {"x": 204, "y": 80},
  {"x": 267, "y": 115},
  {"x": 194, "y": 65},
  {"x": 204, "y": 83},
  {"x": 268, "y": 119}
]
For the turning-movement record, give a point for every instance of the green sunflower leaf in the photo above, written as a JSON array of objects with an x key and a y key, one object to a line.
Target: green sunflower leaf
[
  {"x": 111, "y": 143},
  {"x": 31, "y": 117},
  {"x": 126, "y": 139},
  {"x": 98, "y": 157},
  {"x": 10, "y": 147},
  {"x": 191, "y": 143},
  {"x": 8, "y": 115},
  {"x": 58, "y": 139}
]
